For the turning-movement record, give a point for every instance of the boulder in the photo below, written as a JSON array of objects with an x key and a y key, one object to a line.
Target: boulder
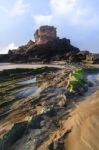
[{"x": 13, "y": 135}]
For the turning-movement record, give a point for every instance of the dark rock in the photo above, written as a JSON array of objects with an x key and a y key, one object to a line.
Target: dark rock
[
  {"x": 90, "y": 84},
  {"x": 35, "y": 122},
  {"x": 90, "y": 57},
  {"x": 59, "y": 144},
  {"x": 51, "y": 112},
  {"x": 82, "y": 55},
  {"x": 13, "y": 135},
  {"x": 52, "y": 50},
  {"x": 85, "y": 87},
  {"x": 51, "y": 146},
  {"x": 4, "y": 58},
  {"x": 96, "y": 58},
  {"x": 1, "y": 145}
]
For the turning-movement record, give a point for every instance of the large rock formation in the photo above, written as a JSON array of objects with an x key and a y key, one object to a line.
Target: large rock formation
[{"x": 47, "y": 47}]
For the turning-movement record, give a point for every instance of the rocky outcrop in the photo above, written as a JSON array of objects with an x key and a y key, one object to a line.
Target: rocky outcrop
[
  {"x": 22, "y": 49},
  {"x": 52, "y": 50},
  {"x": 96, "y": 58},
  {"x": 13, "y": 135},
  {"x": 90, "y": 57},
  {"x": 48, "y": 47},
  {"x": 45, "y": 34}
]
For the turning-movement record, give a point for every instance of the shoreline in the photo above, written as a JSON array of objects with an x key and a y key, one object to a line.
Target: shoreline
[{"x": 50, "y": 114}]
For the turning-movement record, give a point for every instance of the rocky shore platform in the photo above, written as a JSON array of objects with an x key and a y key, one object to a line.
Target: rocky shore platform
[{"x": 39, "y": 112}]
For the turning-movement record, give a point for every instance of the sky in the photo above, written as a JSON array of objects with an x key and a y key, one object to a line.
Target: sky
[{"x": 77, "y": 20}]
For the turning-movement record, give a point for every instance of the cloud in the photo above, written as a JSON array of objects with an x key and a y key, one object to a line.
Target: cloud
[
  {"x": 62, "y": 7},
  {"x": 19, "y": 8},
  {"x": 42, "y": 19},
  {"x": 3, "y": 9},
  {"x": 75, "y": 12},
  {"x": 5, "y": 49},
  {"x": 75, "y": 19}
]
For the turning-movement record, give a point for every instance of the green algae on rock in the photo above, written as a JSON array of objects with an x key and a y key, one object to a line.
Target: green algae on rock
[{"x": 76, "y": 80}]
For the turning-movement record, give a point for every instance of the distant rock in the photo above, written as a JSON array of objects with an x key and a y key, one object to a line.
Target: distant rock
[
  {"x": 4, "y": 58},
  {"x": 96, "y": 59},
  {"x": 22, "y": 49},
  {"x": 56, "y": 49},
  {"x": 48, "y": 47}
]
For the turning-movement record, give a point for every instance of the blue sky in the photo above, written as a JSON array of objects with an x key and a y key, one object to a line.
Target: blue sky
[{"x": 77, "y": 20}]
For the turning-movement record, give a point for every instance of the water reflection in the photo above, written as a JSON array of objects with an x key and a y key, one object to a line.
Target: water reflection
[
  {"x": 27, "y": 82},
  {"x": 28, "y": 92},
  {"x": 94, "y": 78}
]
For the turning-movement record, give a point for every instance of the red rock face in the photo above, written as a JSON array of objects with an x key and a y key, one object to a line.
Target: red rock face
[{"x": 45, "y": 34}]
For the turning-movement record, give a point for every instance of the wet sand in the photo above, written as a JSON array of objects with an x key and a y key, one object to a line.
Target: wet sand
[{"x": 85, "y": 123}]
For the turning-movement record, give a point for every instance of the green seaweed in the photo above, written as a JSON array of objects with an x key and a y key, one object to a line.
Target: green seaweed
[
  {"x": 11, "y": 73},
  {"x": 76, "y": 79}
]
